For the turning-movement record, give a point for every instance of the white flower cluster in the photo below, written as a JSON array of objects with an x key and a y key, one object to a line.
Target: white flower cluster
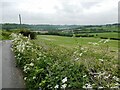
[
  {"x": 93, "y": 43},
  {"x": 87, "y": 86},
  {"x": 104, "y": 41},
  {"x": 26, "y": 68},
  {"x": 64, "y": 85},
  {"x": 101, "y": 41},
  {"x": 20, "y": 45},
  {"x": 21, "y": 42},
  {"x": 64, "y": 80}
]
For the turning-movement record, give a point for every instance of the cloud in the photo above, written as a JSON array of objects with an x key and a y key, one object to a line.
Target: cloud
[{"x": 61, "y": 11}]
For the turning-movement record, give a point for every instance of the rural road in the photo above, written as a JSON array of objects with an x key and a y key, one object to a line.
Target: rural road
[{"x": 10, "y": 76}]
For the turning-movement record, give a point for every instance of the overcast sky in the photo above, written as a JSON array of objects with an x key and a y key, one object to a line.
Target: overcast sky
[{"x": 60, "y": 11}]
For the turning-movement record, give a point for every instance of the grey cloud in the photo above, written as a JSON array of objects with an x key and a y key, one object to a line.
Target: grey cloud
[
  {"x": 68, "y": 14},
  {"x": 9, "y": 12},
  {"x": 88, "y": 5}
]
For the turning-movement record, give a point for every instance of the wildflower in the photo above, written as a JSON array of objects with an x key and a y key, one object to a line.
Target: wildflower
[
  {"x": 106, "y": 77},
  {"x": 116, "y": 78},
  {"x": 81, "y": 54},
  {"x": 18, "y": 54},
  {"x": 34, "y": 77},
  {"x": 85, "y": 51},
  {"x": 31, "y": 64},
  {"x": 100, "y": 87},
  {"x": 84, "y": 87},
  {"x": 89, "y": 86},
  {"x": 75, "y": 52},
  {"x": 82, "y": 48},
  {"x": 32, "y": 59},
  {"x": 25, "y": 78},
  {"x": 64, "y": 85},
  {"x": 89, "y": 42},
  {"x": 76, "y": 59},
  {"x": 86, "y": 84},
  {"x": 117, "y": 84},
  {"x": 101, "y": 40},
  {"x": 84, "y": 75},
  {"x": 64, "y": 80},
  {"x": 101, "y": 60},
  {"x": 116, "y": 87},
  {"x": 95, "y": 44},
  {"x": 56, "y": 86},
  {"x": 27, "y": 68},
  {"x": 106, "y": 41}
]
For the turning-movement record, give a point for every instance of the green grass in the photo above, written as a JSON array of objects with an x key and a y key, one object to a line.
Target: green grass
[
  {"x": 0, "y": 34},
  {"x": 71, "y": 42},
  {"x": 5, "y": 34},
  {"x": 107, "y": 28},
  {"x": 105, "y": 34},
  {"x": 108, "y": 35}
]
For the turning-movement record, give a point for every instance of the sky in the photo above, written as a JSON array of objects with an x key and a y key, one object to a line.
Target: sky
[{"x": 59, "y": 11}]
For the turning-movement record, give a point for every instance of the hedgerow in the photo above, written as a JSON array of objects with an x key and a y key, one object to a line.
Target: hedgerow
[{"x": 54, "y": 67}]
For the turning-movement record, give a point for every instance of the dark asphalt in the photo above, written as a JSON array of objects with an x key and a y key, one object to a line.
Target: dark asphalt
[{"x": 11, "y": 75}]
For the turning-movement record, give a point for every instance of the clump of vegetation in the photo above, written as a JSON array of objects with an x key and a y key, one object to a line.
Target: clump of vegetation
[
  {"x": 31, "y": 35},
  {"x": 54, "y": 67},
  {"x": 5, "y": 34}
]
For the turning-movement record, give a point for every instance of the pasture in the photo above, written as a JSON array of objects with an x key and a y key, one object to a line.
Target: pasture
[
  {"x": 71, "y": 42},
  {"x": 107, "y": 34}
]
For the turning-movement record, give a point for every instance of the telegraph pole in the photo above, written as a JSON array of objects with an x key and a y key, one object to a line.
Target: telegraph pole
[{"x": 20, "y": 21}]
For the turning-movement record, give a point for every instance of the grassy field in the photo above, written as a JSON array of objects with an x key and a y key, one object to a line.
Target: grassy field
[
  {"x": 108, "y": 35},
  {"x": 73, "y": 41},
  {"x": 105, "y": 34},
  {"x": 107, "y": 28}
]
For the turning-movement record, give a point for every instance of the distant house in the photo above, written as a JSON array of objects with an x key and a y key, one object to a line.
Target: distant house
[{"x": 40, "y": 32}]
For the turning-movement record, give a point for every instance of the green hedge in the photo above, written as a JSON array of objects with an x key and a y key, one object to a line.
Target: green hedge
[
  {"x": 28, "y": 33},
  {"x": 53, "y": 67}
]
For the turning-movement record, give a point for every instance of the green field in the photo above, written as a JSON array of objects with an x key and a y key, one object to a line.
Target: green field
[
  {"x": 108, "y": 35},
  {"x": 105, "y": 34},
  {"x": 73, "y": 41}
]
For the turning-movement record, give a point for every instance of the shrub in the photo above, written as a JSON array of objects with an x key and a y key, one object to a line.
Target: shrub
[
  {"x": 115, "y": 38},
  {"x": 103, "y": 37},
  {"x": 91, "y": 35},
  {"x": 5, "y": 35},
  {"x": 27, "y": 33},
  {"x": 54, "y": 67}
]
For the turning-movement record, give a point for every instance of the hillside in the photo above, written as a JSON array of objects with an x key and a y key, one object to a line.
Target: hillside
[{"x": 82, "y": 28}]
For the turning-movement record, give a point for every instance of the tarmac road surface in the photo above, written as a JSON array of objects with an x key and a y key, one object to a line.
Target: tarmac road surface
[{"x": 11, "y": 75}]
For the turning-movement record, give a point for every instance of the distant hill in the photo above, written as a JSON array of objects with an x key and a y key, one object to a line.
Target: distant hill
[
  {"x": 8, "y": 26},
  {"x": 107, "y": 27}
]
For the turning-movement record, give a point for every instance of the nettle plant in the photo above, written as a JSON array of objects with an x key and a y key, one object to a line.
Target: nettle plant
[{"x": 54, "y": 67}]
